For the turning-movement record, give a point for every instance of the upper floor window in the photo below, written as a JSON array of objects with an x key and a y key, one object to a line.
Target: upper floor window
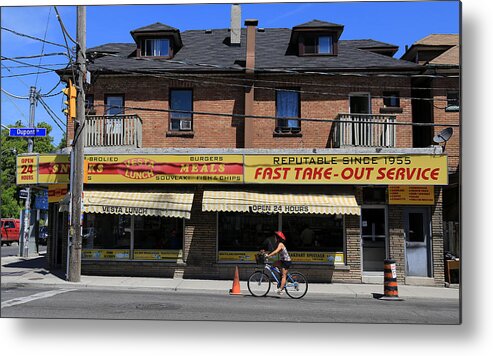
[
  {"x": 182, "y": 100},
  {"x": 318, "y": 45},
  {"x": 159, "y": 47},
  {"x": 114, "y": 105},
  {"x": 391, "y": 99},
  {"x": 288, "y": 111},
  {"x": 453, "y": 101},
  {"x": 90, "y": 104}
]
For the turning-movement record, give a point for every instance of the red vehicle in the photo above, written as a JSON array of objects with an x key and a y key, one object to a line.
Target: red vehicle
[{"x": 9, "y": 231}]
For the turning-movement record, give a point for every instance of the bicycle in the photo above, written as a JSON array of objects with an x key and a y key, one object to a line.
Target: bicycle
[{"x": 259, "y": 281}]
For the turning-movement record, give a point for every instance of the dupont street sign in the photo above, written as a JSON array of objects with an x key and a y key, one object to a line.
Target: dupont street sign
[{"x": 27, "y": 132}]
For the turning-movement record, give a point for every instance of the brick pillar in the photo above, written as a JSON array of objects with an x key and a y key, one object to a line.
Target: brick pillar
[
  {"x": 397, "y": 240},
  {"x": 353, "y": 245},
  {"x": 199, "y": 247},
  {"x": 437, "y": 237}
]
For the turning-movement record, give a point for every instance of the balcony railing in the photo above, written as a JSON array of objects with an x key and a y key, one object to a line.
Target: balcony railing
[
  {"x": 364, "y": 130},
  {"x": 115, "y": 130}
]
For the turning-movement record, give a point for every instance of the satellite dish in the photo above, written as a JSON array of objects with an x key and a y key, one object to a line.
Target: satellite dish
[{"x": 444, "y": 135}]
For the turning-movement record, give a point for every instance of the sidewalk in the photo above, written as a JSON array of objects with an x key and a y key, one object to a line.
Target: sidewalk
[{"x": 32, "y": 272}]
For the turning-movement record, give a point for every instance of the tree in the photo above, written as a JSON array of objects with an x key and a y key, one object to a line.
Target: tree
[{"x": 11, "y": 205}]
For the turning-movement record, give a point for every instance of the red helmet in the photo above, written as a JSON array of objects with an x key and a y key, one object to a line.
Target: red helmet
[{"x": 280, "y": 235}]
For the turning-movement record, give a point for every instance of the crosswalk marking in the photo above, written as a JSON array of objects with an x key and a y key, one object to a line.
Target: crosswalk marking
[{"x": 30, "y": 298}]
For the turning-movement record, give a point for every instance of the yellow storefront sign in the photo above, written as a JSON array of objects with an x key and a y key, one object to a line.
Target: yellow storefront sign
[
  {"x": 411, "y": 195},
  {"x": 296, "y": 256},
  {"x": 168, "y": 169},
  {"x": 27, "y": 169},
  {"x": 160, "y": 255},
  {"x": 347, "y": 169},
  {"x": 106, "y": 254},
  {"x": 376, "y": 169}
]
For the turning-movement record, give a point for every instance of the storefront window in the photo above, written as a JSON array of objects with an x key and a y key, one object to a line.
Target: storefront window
[
  {"x": 310, "y": 238},
  {"x": 108, "y": 236},
  {"x": 155, "y": 232},
  {"x": 314, "y": 232},
  {"x": 240, "y": 233}
]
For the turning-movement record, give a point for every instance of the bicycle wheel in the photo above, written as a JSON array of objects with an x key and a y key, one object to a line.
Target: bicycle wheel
[
  {"x": 258, "y": 284},
  {"x": 296, "y": 285}
]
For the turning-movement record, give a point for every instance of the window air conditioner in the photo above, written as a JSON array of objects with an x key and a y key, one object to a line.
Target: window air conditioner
[{"x": 185, "y": 125}]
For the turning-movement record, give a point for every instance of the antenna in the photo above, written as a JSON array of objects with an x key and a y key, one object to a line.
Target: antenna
[{"x": 444, "y": 136}]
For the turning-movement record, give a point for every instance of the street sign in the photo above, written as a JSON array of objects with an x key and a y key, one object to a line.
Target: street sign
[
  {"x": 23, "y": 194},
  {"x": 27, "y": 132},
  {"x": 41, "y": 200}
]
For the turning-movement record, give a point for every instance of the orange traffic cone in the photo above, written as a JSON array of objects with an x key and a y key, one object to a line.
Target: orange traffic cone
[{"x": 236, "y": 284}]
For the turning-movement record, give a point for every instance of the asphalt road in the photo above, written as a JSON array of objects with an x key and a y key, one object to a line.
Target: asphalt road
[
  {"x": 24, "y": 302},
  {"x": 13, "y": 250}
]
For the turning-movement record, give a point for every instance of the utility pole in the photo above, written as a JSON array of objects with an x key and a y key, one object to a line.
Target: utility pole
[
  {"x": 25, "y": 241},
  {"x": 75, "y": 232}
]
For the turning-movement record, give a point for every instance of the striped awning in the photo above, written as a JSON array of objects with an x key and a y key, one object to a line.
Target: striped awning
[
  {"x": 256, "y": 202},
  {"x": 176, "y": 205}
]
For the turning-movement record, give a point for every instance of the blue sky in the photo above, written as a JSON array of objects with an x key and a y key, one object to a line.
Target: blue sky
[{"x": 399, "y": 23}]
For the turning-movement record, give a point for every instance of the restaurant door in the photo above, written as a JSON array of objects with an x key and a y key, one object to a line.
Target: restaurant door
[
  {"x": 373, "y": 237},
  {"x": 417, "y": 231}
]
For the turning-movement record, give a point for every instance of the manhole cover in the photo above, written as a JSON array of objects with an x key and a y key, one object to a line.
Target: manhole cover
[{"x": 158, "y": 306}]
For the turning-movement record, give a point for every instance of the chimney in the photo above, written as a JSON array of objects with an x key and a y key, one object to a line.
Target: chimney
[
  {"x": 250, "y": 89},
  {"x": 235, "y": 25},
  {"x": 250, "y": 48}
]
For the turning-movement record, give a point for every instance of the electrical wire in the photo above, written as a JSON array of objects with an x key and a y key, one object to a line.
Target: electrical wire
[
  {"x": 51, "y": 114},
  {"x": 65, "y": 35},
  {"x": 28, "y": 65},
  {"x": 15, "y": 96},
  {"x": 43, "y": 46},
  {"x": 23, "y": 82},
  {"x": 32, "y": 37},
  {"x": 37, "y": 56},
  {"x": 179, "y": 77},
  {"x": 64, "y": 30},
  {"x": 281, "y": 118},
  {"x": 27, "y": 74},
  {"x": 48, "y": 94}
]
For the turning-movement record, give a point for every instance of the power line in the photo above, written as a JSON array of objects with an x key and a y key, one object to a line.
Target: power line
[
  {"x": 179, "y": 77},
  {"x": 19, "y": 79},
  {"x": 47, "y": 94},
  {"x": 37, "y": 56},
  {"x": 51, "y": 114},
  {"x": 65, "y": 35},
  {"x": 14, "y": 96},
  {"x": 28, "y": 65},
  {"x": 18, "y": 109},
  {"x": 43, "y": 46},
  {"x": 282, "y": 118},
  {"x": 64, "y": 30},
  {"x": 27, "y": 74},
  {"x": 32, "y": 37}
]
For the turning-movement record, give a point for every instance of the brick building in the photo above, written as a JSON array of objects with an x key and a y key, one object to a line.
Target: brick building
[{"x": 199, "y": 144}]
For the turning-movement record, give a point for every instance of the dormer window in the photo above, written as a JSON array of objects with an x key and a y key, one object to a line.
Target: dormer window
[
  {"x": 315, "y": 38},
  {"x": 157, "y": 40},
  {"x": 318, "y": 45},
  {"x": 159, "y": 47}
]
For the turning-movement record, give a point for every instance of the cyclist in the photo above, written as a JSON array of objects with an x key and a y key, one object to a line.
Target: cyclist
[{"x": 285, "y": 260}]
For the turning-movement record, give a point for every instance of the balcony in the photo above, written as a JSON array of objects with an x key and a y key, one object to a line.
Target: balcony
[
  {"x": 364, "y": 130},
  {"x": 115, "y": 130}
]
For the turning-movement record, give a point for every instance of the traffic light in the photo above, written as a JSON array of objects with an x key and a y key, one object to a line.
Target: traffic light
[{"x": 71, "y": 92}]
